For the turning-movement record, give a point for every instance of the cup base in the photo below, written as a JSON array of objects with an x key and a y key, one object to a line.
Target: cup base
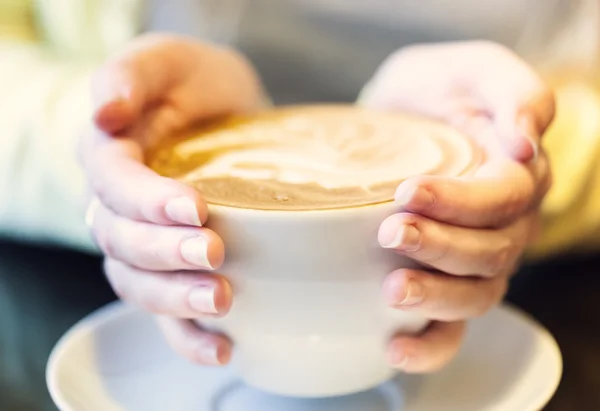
[{"x": 238, "y": 396}]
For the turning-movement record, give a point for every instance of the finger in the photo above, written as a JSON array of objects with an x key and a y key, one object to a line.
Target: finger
[
  {"x": 542, "y": 173},
  {"x": 453, "y": 249},
  {"x": 522, "y": 120},
  {"x": 180, "y": 294},
  {"x": 522, "y": 105},
  {"x": 498, "y": 192},
  {"x": 443, "y": 297},
  {"x": 124, "y": 184},
  {"x": 203, "y": 79},
  {"x": 195, "y": 344},
  {"x": 478, "y": 78},
  {"x": 428, "y": 352},
  {"x": 155, "y": 247}
]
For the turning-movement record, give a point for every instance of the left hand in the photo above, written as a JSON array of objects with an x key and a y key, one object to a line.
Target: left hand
[{"x": 470, "y": 231}]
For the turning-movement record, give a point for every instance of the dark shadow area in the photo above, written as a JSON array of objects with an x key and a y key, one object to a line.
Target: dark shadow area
[
  {"x": 564, "y": 295},
  {"x": 43, "y": 291}
]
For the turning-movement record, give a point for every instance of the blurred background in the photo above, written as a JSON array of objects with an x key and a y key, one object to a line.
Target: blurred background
[{"x": 305, "y": 51}]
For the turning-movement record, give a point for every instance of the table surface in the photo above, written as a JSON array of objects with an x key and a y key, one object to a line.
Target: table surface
[{"x": 563, "y": 295}]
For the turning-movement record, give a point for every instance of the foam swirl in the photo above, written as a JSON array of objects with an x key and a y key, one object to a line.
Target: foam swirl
[{"x": 337, "y": 149}]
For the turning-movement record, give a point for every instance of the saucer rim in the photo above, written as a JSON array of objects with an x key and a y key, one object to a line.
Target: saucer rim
[{"x": 118, "y": 308}]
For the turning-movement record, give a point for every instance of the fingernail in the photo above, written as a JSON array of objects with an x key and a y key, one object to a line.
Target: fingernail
[
  {"x": 183, "y": 210},
  {"x": 398, "y": 359},
  {"x": 534, "y": 147},
  {"x": 113, "y": 116},
  {"x": 208, "y": 354},
  {"x": 414, "y": 198},
  {"x": 403, "y": 237},
  {"x": 414, "y": 294},
  {"x": 202, "y": 299},
  {"x": 195, "y": 251}
]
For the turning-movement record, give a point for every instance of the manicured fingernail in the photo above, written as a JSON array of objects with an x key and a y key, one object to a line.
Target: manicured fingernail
[
  {"x": 534, "y": 147},
  {"x": 195, "y": 251},
  {"x": 202, "y": 299},
  {"x": 208, "y": 354},
  {"x": 414, "y": 294},
  {"x": 398, "y": 359},
  {"x": 113, "y": 116},
  {"x": 415, "y": 198},
  {"x": 183, "y": 210},
  {"x": 403, "y": 237}
]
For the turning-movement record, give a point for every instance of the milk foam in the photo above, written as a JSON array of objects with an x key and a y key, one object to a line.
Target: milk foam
[
  {"x": 313, "y": 157},
  {"x": 332, "y": 153}
]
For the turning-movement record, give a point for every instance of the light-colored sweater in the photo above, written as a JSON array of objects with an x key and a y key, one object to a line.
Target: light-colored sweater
[{"x": 305, "y": 50}]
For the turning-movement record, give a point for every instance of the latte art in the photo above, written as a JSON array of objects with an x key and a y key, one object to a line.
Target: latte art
[{"x": 313, "y": 157}]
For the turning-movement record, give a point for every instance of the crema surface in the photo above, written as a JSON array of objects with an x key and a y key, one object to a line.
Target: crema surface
[{"x": 312, "y": 157}]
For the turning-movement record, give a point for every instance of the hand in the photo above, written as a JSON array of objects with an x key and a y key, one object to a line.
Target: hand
[
  {"x": 471, "y": 231},
  {"x": 158, "y": 255}
]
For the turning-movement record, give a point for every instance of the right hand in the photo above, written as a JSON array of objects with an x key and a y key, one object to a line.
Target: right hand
[{"x": 158, "y": 255}]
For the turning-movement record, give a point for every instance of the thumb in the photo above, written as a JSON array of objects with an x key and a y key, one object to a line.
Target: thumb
[
  {"x": 133, "y": 80},
  {"x": 520, "y": 114},
  {"x": 518, "y": 134},
  {"x": 156, "y": 68}
]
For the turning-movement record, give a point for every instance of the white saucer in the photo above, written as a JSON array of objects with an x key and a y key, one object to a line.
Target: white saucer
[{"x": 116, "y": 359}]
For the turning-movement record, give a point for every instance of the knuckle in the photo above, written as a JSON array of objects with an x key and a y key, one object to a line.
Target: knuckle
[
  {"x": 137, "y": 244},
  {"x": 514, "y": 203},
  {"x": 443, "y": 248},
  {"x": 189, "y": 336},
  {"x": 398, "y": 57},
  {"x": 547, "y": 182},
  {"x": 99, "y": 188},
  {"x": 406, "y": 218},
  {"x": 107, "y": 241},
  {"x": 491, "y": 294},
  {"x": 100, "y": 239},
  {"x": 491, "y": 48},
  {"x": 485, "y": 303},
  {"x": 154, "y": 250},
  {"x": 116, "y": 280},
  {"x": 103, "y": 233},
  {"x": 442, "y": 253},
  {"x": 178, "y": 342},
  {"x": 151, "y": 303},
  {"x": 546, "y": 177},
  {"x": 545, "y": 104},
  {"x": 499, "y": 259},
  {"x": 181, "y": 348}
]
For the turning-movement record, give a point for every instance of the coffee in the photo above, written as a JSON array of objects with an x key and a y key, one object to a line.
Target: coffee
[
  {"x": 308, "y": 317},
  {"x": 312, "y": 157}
]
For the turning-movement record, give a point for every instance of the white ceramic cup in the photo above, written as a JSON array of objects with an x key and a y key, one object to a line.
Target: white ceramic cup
[{"x": 309, "y": 318}]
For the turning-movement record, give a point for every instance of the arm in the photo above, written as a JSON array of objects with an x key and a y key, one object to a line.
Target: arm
[{"x": 44, "y": 105}]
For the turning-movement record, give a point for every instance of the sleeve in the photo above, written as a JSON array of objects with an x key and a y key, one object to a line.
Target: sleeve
[
  {"x": 44, "y": 106},
  {"x": 571, "y": 211},
  {"x": 569, "y": 59}
]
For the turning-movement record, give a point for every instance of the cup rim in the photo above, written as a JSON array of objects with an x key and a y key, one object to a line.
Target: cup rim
[{"x": 334, "y": 210}]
